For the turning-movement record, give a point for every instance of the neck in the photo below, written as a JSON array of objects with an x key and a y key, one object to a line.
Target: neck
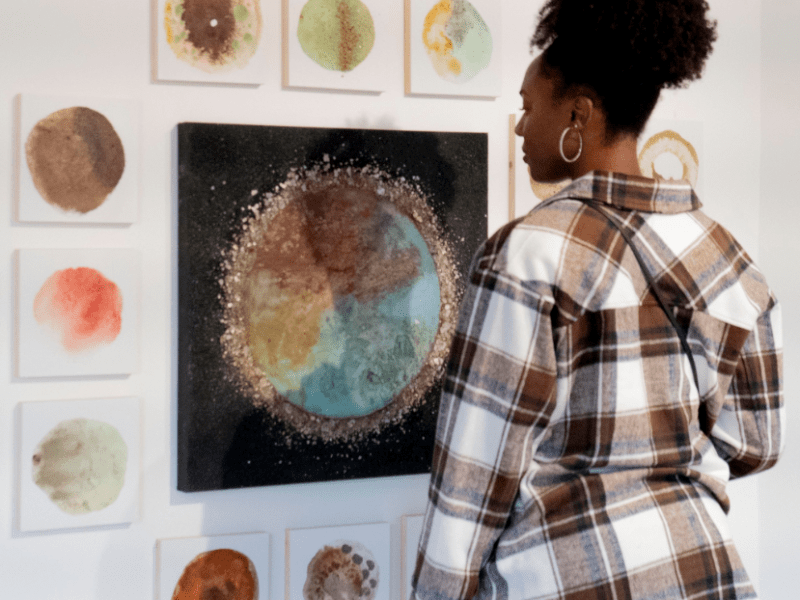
[{"x": 619, "y": 157}]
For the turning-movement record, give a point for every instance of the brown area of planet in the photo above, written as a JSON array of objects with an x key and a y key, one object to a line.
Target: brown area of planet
[
  {"x": 335, "y": 203},
  {"x": 75, "y": 158},
  {"x": 222, "y": 574}
]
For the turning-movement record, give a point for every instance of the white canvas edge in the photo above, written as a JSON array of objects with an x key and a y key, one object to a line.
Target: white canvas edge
[
  {"x": 369, "y": 76},
  {"x": 39, "y": 354},
  {"x": 122, "y": 204},
  {"x": 170, "y": 68},
  {"x": 303, "y": 544},
  {"x": 174, "y": 554},
  {"x": 412, "y": 530},
  {"x": 36, "y": 511},
  {"x": 422, "y": 77}
]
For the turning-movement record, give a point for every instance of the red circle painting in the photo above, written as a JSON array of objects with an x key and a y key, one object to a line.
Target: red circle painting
[{"x": 81, "y": 306}]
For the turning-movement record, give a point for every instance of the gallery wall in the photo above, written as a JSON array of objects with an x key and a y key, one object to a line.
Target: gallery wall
[
  {"x": 779, "y": 530},
  {"x": 105, "y": 49}
]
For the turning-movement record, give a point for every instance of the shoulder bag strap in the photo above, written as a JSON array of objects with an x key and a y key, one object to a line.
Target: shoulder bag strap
[{"x": 650, "y": 280}]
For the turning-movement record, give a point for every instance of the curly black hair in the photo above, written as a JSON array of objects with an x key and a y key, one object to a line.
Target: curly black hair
[{"x": 624, "y": 51}]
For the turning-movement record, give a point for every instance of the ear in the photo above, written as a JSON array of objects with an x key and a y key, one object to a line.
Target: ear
[{"x": 582, "y": 111}]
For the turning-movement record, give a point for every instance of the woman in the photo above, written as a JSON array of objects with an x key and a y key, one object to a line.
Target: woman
[{"x": 583, "y": 447}]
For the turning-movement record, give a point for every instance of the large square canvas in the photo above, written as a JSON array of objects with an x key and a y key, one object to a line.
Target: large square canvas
[
  {"x": 337, "y": 44},
  {"x": 79, "y": 160},
  {"x": 212, "y": 41},
  {"x": 319, "y": 278},
  {"x": 453, "y": 47},
  {"x": 351, "y": 561},
  {"x": 77, "y": 312},
  {"x": 79, "y": 463},
  {"x": 219, "y": 566}
]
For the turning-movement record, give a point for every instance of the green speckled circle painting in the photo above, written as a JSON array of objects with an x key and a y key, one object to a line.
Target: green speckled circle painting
[
  {"x": 319, "y": 275},
  {"x": 336, "y": 34}
]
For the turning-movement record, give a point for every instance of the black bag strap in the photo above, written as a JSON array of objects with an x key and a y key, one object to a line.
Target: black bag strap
[{"x": 650, "y": 280}]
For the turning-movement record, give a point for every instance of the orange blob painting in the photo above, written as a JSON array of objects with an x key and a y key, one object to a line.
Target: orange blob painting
[
  {"x": 218, "y": 575},
  {"x": 82, "y": 307}
]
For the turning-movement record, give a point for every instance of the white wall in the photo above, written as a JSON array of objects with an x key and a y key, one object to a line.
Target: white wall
[
  {"x": 779, "y": 249},
  {"x": 103, "y": 48}
]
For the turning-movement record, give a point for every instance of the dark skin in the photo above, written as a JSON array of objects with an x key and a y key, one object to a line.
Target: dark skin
[{"x": 545, "y": 117}]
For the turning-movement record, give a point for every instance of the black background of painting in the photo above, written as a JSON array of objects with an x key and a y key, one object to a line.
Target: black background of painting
[{"x": 223, "y": 440}]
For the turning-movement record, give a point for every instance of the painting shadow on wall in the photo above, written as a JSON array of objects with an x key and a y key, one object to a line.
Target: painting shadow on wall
[{"x": 243, "y": 423}]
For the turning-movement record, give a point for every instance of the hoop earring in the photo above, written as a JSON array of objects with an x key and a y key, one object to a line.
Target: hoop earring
[{"x": 561, "y": 145}]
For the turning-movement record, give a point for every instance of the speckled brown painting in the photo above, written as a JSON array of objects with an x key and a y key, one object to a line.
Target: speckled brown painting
[{"x": 319, "y": 278}]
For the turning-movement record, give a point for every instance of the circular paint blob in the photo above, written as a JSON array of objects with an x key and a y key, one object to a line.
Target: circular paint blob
[
  {"x": 457, "y": 39},
  {"x": 340, "y": 300},
  {"x": 345, "y": 570},
  {"x": 80, "y": 464},
  {"x": 81, "y": 307},
  {"x": 218, "y": 575},
  {"x": 75, "y": 158},
  {"x": 336, "y": 34},
  {"x": 213, "y": 35},
  {"x": 669, "y": 142}
]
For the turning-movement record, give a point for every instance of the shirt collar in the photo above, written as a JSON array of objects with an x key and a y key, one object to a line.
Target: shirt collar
[{"x": 630, "y": 192}]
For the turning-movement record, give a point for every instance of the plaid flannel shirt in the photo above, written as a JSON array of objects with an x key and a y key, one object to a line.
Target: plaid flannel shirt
[{"x": 575, "y": 458}]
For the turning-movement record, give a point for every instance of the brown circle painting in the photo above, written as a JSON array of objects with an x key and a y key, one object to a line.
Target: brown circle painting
[
  {"x": 218, "y": 575},
  {"x": 213, "y": 35},
  {"x": 75, "y": 158}
]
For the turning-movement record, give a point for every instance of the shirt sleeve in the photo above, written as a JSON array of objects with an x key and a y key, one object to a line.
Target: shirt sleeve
[
  {"x": 749, "y": 430},
  {"x": 497, "y": 399}
]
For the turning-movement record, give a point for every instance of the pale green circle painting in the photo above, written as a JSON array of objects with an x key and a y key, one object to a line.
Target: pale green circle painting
[
  {"x": 336, "y": 34},
  {"x": 457, "y": 39},
  {"x": 80, "y": 464}
]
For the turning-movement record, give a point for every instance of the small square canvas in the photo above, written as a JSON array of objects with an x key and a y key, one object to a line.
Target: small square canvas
[
  {"x": 214, "y": 41},
  {"x": 77, "y": 312},
  {"x": 412, "y": 531},
  {"x": 79, "y": 160},
  {"x": 229, "y": 566},
  {"x": 453, "y": 47},
  {"x": 79, "y": 463},
  {"x": 351, "y": 561},
  {"x": 337, "y": 44}
]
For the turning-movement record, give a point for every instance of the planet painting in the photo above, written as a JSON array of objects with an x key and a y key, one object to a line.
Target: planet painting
[{"x": 319, "y": 278}]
